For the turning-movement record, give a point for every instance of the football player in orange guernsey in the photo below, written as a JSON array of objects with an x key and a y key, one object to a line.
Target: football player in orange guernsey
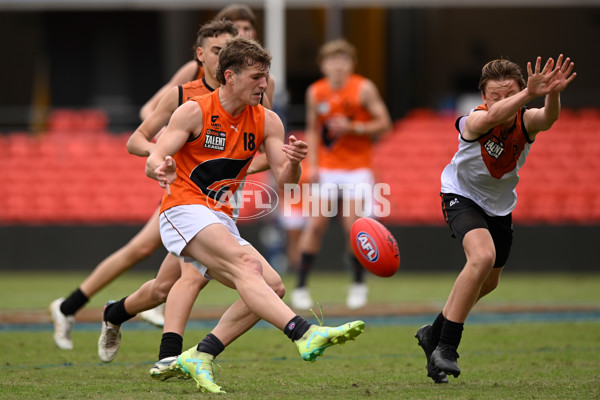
[
  {"x": 479, "y": 189},
  {"x": 344, "y": 112},
  {"x": 199, "y": 161},
  {"x": 148, "y": 239},
  {"x": 211, "y": 39}
]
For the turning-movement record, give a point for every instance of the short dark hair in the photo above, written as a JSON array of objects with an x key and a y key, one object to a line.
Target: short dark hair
[
  {"x": 213, "y": 29},
  {"x": 240, "y": 53},
  {"x": 499, "y": 70},
  {"x": 237, "y": 12}
]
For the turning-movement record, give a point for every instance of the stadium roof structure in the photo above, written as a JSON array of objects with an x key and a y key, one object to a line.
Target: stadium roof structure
[{"x": 39, "y": 5}]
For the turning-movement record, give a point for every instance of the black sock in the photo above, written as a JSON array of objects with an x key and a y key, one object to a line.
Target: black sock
[
  {"x": 306, "y": 262},
  {"x": 357, "y": 269},
  {"x": 74, "y": 302},
  {"x": 436, "y": 328},
  {"x": 296, "y": 328},
  {"x": 115, "y": 313},
  {"x": 451, "y": 333},
  {"x": 171, "y": 345},
  {"x": 211, "y": 345}
]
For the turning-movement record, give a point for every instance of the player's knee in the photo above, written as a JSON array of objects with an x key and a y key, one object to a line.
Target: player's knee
[
  {"x": 160, "y": 291},
  {"x": 278, "y": 288},
  {"x": 483, "y": 258},
  {"x": 251, "y": 264},
  {"x": 142, "y": 251}
]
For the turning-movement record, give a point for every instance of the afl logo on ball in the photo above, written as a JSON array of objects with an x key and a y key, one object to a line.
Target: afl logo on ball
[{"x": 367, "y": 246}]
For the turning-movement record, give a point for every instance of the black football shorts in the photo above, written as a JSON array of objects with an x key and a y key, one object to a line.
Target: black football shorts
[{"x": 463, "y": 215}]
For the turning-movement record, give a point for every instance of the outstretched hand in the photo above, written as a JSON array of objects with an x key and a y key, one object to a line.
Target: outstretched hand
[
  {"x": 538, "y": 82},
  {"x": 553, "y": 78},
  {"x": 564, "y": 75},
  {"x": 166, "y": 173},
  {"x": 296, "y": 150}
]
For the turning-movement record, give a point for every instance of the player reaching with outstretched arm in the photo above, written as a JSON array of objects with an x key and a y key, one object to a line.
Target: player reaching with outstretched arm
[{"x": 479, "y": 190}]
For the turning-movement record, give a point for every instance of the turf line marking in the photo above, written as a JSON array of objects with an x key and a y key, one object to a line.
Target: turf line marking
[{"x": 400, "y": 320}]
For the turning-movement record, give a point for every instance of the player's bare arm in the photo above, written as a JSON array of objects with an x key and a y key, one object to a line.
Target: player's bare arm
[
  {"x": 380, "y": 118},
  {"x": 284, "y": 159},
  {"x": 185, "y": 74},
  {"x": 266, "y": 102},
  {"x": 312, "y": 137},
  {"x": 259, "y": 164},
  {"x": 538, "y": 120},
  {"x": 185, "y": 122},
  {"x": 269, "y": 91},
  {"x": 379, "y": 123},
  {"x": 480, "y": 122},
  {"x": 140, "y": 141},
  {"x": 506, "y": 99}
]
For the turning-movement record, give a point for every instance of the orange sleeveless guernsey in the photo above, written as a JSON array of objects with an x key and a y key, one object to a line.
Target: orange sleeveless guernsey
[
  {"x": 211, "y": 167},
  {"x": 193, "y": 89},
  {"x": 349, "y": 151}
]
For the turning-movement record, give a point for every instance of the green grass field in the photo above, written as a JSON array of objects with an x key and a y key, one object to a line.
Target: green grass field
[
  {"x": 511, "y": 360},
  {"x": 32, "y": 290}
]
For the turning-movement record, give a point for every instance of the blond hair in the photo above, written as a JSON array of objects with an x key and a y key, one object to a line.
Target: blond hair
[{"x": 338, "y": 46}]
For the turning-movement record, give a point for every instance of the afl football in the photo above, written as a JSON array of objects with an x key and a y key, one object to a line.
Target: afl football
[{"x": 375, "y": 247}]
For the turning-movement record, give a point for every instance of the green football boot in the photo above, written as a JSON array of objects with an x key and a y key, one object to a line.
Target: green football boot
[
  {"x": 314, "y": 342},
  {"x": 199, "y": 367}
]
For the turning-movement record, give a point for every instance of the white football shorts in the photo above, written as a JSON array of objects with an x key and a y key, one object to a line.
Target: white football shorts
[
  {"x": 356, "y": 184},
  {"x": 179, "y": 225}
]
